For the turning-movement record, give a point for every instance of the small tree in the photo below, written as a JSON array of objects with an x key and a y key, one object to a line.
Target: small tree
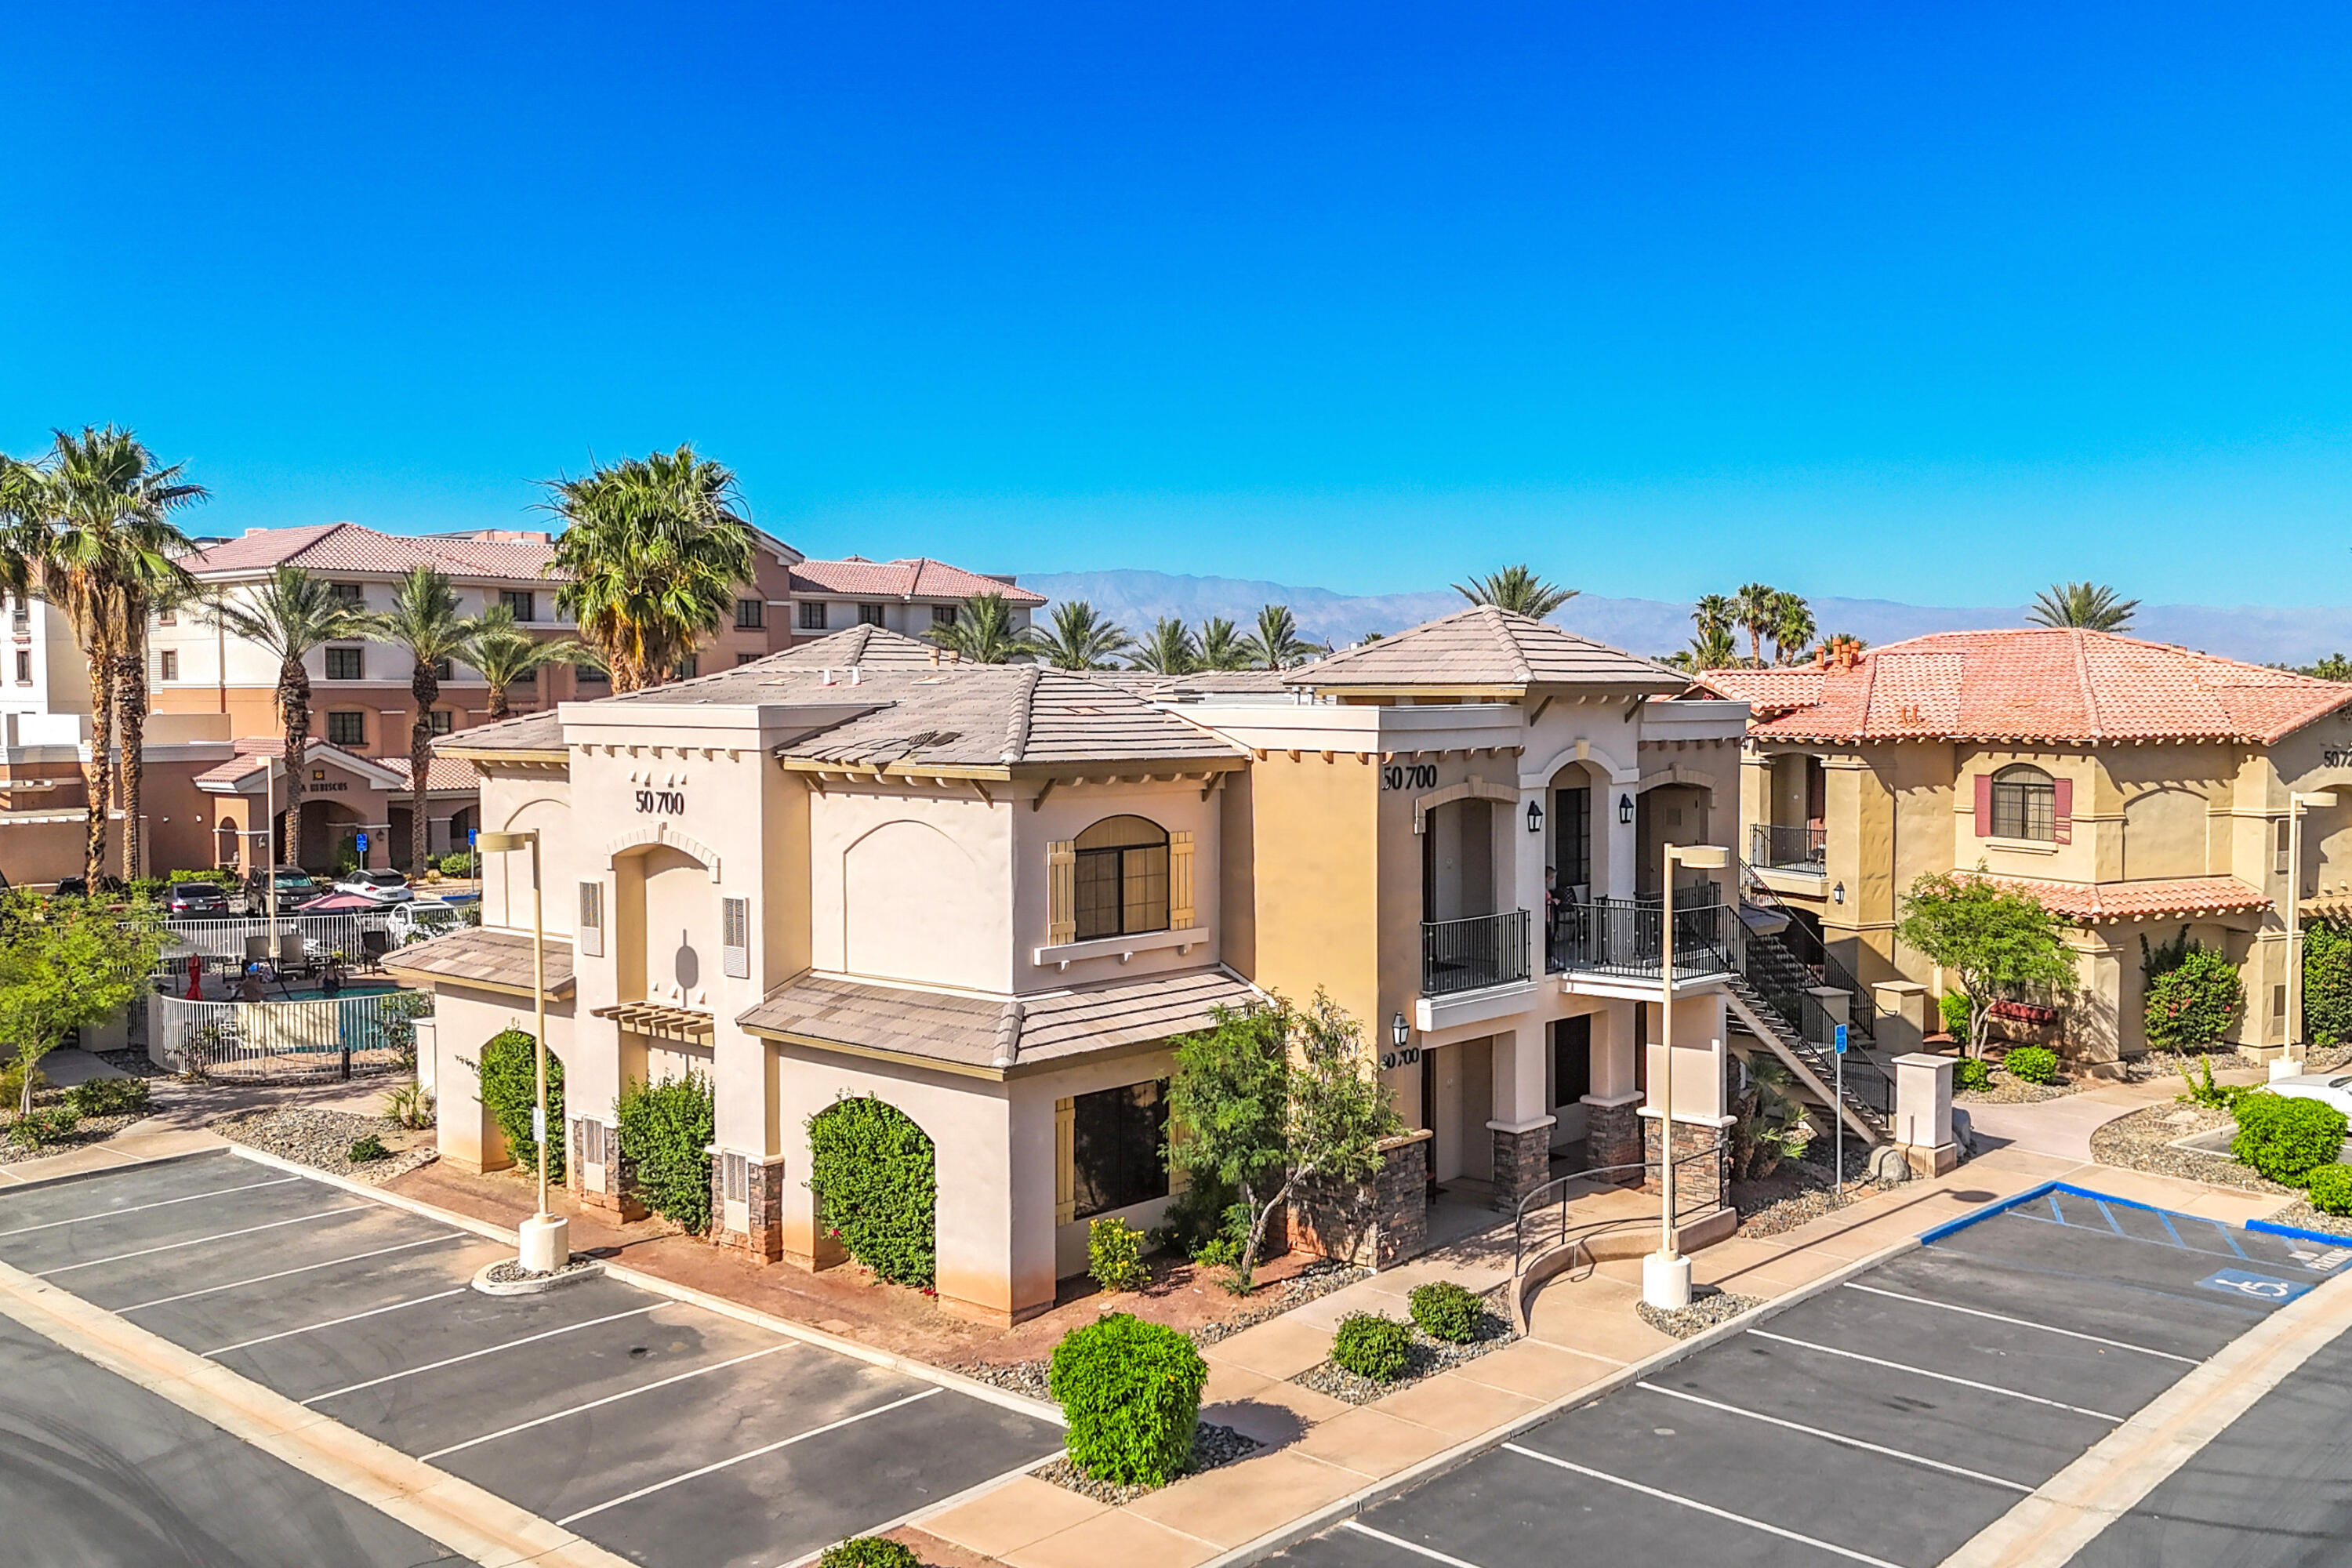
[
  {"x": 1268, "y": 1099},
  {"x": 1999, "y": 942},
  {"x": 66, "y": 964},
  {"x": 2327, "y": 984},
  {"x": 2190, "y": 1006}
]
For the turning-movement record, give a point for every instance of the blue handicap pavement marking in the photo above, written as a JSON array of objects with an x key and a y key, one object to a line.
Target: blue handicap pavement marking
[{"x": 2259, "y": 1286}]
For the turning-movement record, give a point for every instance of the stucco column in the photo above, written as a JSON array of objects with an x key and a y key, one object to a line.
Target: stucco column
[
  {"x": 1522, "y": 1122},
  {"x": 1923, "y": 1112},
  {"x": 1614, "y": 843},
  {"x": 1902, "y": 1018},
  {"x": 801, "y": 1089},
  {"x": 978, "y": 1216}
]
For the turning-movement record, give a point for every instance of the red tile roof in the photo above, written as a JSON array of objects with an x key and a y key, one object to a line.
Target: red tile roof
[
  {"x": 348, "y": 547},
  {"x": 920, "y": 578},
  {"x": 2091, "y": 903},
  {"x": 2041, "y": 683}
]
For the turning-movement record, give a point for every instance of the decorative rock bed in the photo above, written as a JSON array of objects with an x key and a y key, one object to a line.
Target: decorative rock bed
[
  {"x": 2150, "y": 1140},
  {"x": 2301, "y": 1215},
  {"x": 2008, "y": 1090},
  {"x": 1425, "y": 1357},
  {"x": 1709, "y": 1307},
  {"x": 509, "y": 1278},
  {"x": 323, "y": 1141},
  {"x": 1213, "y": 1445}
]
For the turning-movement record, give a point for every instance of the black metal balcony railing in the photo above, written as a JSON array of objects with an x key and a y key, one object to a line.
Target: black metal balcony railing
[
  {"x": 1469, "y": 955},
  {"x": 1624, "y": 936},
  {"x": 1787, "y": 849}
]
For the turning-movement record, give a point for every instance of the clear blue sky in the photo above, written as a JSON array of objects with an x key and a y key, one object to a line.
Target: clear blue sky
[{"x": 1936, "y": 303}]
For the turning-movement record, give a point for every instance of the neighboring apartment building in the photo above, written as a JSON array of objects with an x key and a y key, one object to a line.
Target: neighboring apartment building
[
  {"x": 992, "y": 895},
  {"x": 905, "y": 596},
  {"x": 2133, "y": 788}
]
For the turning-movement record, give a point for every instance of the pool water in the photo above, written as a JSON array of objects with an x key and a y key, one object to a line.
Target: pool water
[{"x": 312, "y": 994}]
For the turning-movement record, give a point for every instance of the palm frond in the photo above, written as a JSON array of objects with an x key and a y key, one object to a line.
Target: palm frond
[{"x": 1518, "y": 590}]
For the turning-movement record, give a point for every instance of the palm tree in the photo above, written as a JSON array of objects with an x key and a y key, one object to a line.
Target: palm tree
[
  {"x": 984, "y": 633},
  {"x": 1275, "y": 643},
  {"x": 424, "y": 619},
  {"x": 1082, "y": 638},
  {"x": 2093, "y": 606},
  {"x": 288, "y": 616},
  {"x": 1168, "y": 650},
  {"x": 105, "y": 548},
  {"x": 655, "y": 551},
  {"x": 1517, "y": 590},
  {"x": 1792, "y": 628},
  {"x": 1222, "y": 646},
  {"x": 1754, "y": 610},
  {"x": 1711, "y": 648},
  {"x": 507, "y": 656},
  {"x": 1713, "y": 613}
]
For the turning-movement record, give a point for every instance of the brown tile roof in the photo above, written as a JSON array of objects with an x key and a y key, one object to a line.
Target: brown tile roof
[
  {"x": 2092, "y": 903},
  {"x": 541, "y": 732},
  {"x": 873, "y": 648},
  {"x": 2041, "y": 683},
  {"x": 250, "y": 751},
  {"x": 1198, "y": 683},
  {"x": 348, "y": 547},
  {"x": 494, "y": 960},
  {"x": 442, "y": 773},
  {"x": 1486, "y": 646},
  {"x": 920, "y": 578},
  {"x": 991, "y": 1033}
]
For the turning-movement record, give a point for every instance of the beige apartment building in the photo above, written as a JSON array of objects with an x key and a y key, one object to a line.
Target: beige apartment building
[{"x": 2132, "y": 787}]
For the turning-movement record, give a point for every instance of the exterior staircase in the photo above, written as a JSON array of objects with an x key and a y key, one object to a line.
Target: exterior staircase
[{"x": 1773, "y": 991}]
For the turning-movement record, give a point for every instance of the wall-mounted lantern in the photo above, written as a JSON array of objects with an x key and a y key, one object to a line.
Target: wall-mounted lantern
[
  {"x": 1625, "y": 810},
  {"x": 1535, "y": 816},
  {"x": 1837, "y": 894},
  {"x": 1399, "y": 1032}
]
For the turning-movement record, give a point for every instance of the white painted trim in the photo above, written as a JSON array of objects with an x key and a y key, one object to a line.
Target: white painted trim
[
  {"x": 662, "y": 833},
  {"x": 1120, "y": 947},
  {"x": 1484, "y": 1006}
]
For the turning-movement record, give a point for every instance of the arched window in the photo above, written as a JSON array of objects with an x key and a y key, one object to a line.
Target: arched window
[
  {"x": 2024, "y": 805},
  {"x": 1122, "y": 878}
]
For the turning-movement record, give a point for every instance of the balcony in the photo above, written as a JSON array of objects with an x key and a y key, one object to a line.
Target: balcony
[
  {"x": 1624, "y": 939},
  {"x": 1473, "y": 955},
  {"x": 1788, "y": 849}
]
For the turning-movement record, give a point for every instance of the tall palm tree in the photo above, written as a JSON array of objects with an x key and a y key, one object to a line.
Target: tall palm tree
[
  {"x": 1082, "y": 638},
  {"x": 2093, "y": 606},
  {"x": 1516, "y": 589},
  {"x": 1713, "y": 613},
  {"x": 1754, "y": 610},
  {"x": 105, "y": 551},
  {"x": 291, "y": 614},
  {"x": 1275, "y": 642},
  {"x": 1792, "y": 628},
  {"x": 508, "y": 656},
  {"x": 1711, "y": 648},
  {"x": 1168, "y": 650},
  {"x": 424, "y": 619},
  {"x": 655, "y": 551},
  {"x": 984, "y": 633},
  {"x": 1222, "y": 646}
]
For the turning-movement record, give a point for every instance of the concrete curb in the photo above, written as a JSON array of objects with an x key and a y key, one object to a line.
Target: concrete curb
[
  {"x": 538, "y": 1287},
  {"x": 27, "y": 1184}
]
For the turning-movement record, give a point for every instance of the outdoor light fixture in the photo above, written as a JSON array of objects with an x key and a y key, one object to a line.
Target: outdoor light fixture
[
  {"x": 1837, "y": 894},
  {"x": 1399, "y": 1031},
  {"x": 544, "y": 1240},
  {"x": 1625, "y": 809},
  {"x": 1535, "y": 816},
  {"x": 1665, "y": 1273}
]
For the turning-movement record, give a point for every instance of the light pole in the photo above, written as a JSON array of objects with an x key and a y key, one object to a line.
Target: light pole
[
  {"x": 1666, "y": 1273},
  {"x": 2290, "y": 1060},
  {"x": 546, "y": 1237}
]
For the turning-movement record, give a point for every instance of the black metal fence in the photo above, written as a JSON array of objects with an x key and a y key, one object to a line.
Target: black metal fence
[
  {"x": 1469, "y": 955},
  {"x": 1543, "y": 1218},
  {"x": 1625, "y": 936},
  {"x": 1787, "y": 849}
]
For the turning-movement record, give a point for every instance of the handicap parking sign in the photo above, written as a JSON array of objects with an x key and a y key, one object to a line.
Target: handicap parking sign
[
  {"x": 363, "y": 838},
  {"x": 2254, "y": 1287}
]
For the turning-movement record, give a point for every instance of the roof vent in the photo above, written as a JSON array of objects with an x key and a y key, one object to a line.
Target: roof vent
[{"x": 826, "y": 678}]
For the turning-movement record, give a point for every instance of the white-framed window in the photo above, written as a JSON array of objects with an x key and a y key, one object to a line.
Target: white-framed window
[
  {"x": 735, "y": 925},
  {"x": 592, "y": 919},
  {"x": 812, "y": 616}
]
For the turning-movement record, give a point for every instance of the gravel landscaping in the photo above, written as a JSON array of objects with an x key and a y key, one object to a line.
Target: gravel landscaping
[
  {"x": 1798, "y": 1191},
  {"x": 2300, "y": 1216},
  {"x": 323, "y": 1141},
  {"x": 1213, "y": 1445},
  {"x": 2144, "y": 1142},
  {"x": 1709, "y": 1306},
  {"x": 1425, "y": 1357},
  {"x": 1318, "y": 1279},
  {"x": 88, "y": 1130},
  {"x": 2008, "y": 1090}
]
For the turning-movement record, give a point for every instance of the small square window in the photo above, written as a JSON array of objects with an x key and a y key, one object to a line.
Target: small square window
[
  {"x": 743, "y": 658},
  {"x": 869, "y": 615},
  {"x": 441, "y": 720},
  {"x": 688, "y": 668},
  {"x": 24, "y": 668},
  {"x": 812, "y": 616},
  {"x": 943, "y": 615},
  {"x": 445, "y": 669},
  {"x": 750, "y": 615},
  {"x": 344, "y": 663},
  {"x": 167, "y": 618},
  {"x": 349, "y": 592},
  {"x": 170, "y": 662},
  {"x": 521, "y": 601},
  {"x": 347, "y": 728},
  {"x": 735, "y": 936}
]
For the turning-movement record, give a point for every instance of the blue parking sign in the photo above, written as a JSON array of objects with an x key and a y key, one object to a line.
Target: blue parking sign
[
  {"x": 362, "y": 837},
  {"x": 469, "y": 836},
  {"x": 1841, "y": 1039}
]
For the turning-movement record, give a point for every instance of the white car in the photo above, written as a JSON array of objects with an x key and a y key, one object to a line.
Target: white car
[
  {"x": 421, "y": 918},
  {"x": 384, "y": 886},
  {"x": 2328, "y": 1088}
]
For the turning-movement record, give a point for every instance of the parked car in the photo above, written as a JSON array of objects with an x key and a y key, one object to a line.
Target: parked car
[
  {"x": 421, "y": 918},
  {"x": 195, "y": 901},
  {"x": 384, "y": 886},
  {"x": 293, "y": 882},
  {"x": 2333, "y": 1088},
  {"x": 75, "y": 888}
]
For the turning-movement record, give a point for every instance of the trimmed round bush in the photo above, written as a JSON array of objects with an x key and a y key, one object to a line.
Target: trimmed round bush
[
  {"x": 1131, "y": 1393},
  {"x": 1446, "y": 1312},
  {"x": 1970, "y": 1073},
  {"x": 109, "y": 1095},
  {"x": 665, "y": 1130},
  {"x": 876, "y": 1179},
  {"x": 1952, "y": 1011},
  {"x": 869, "y": 1552},
  {"x": 2032, "y": 1064},
  {"x": 1371, "y": 1345},
  {"x": 2285, "y": 1137},
  {"x": 2330, "y": 1188}
]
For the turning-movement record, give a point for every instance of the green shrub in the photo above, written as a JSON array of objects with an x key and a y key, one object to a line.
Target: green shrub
[
  {"x": 1131, "y": 1393},
  {"x": 2330, "y": 1188},
  {"x": 1970, "y": 1073},
  {"x": 875, "y": 1175},
  {"x": 146, "y": 890},
  {"x": 109, "y": 1096},
  {"x": 367, "y": 1146},
  {"x": 225, "y": 876},
  {"x": 2190, "y": 1004},
  {"x": 2285, "y": 1138},
  {"x": 665, "y": 1133},
  {"x": 1205, "y": 1214},
  {"x": 2032, "y": 1064},
  {"x": 1371, "y": 1346},
  {"x": 1115, "y": 1254},
  {"x": 1446, "y": 1312},
  {"x": 457, "y": 863},
  {"x": 511, "y": 1090},
  {"x": 49, "y": 1124},
  {"x": 1954, "y": 1008},
  {"x": 869, "y": 1552},
  {"x": 2327, "y": 984},
  {"x": 2206, "y": 1092}
]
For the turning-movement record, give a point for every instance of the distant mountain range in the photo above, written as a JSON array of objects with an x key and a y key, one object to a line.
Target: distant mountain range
[{"x": 2262, "y": 634}]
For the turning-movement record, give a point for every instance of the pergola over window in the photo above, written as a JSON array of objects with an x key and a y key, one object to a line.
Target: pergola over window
[
  {"x": 1122, "y": 878},
  {"x": 2024, "y": 805}
]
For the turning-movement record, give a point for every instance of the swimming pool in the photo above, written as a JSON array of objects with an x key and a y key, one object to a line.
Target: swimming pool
[{"x": 312, "y": 994}]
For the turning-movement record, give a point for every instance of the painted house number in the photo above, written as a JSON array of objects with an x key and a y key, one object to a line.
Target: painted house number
[
  {"x": 667, "y": 802},
  {"x": 2337, "y": 757},
  {"x": 1416, "y": 776},
  {"x": 1409, "y": 1057}
]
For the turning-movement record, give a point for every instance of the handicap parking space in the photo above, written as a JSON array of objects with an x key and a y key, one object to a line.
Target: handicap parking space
[
  {"x": 660, "y": 1429},
  {"x": 1886, "y": 1420}
]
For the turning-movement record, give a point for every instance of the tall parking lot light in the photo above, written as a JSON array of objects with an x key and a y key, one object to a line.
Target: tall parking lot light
[
  {"x": 546, "y": 1237},
  {"x": 2290, "y": 1060},
  {"x": 1665, "y": 1273}
]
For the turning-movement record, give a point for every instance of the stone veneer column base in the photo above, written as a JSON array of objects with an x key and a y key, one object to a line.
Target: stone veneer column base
[
  {"x": 763, "y": 1235},
  {"x": 603, "y": 1185},
  {"x": 1613, "y": 1136},
  {"x": 1522, "y": 1163},
  {"x": 1701, "y": 1182},
  {"x": 1371, "y": 1223}
]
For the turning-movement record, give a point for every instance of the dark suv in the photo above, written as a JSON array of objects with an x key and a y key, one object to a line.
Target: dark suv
[
  {"x": 293, "y": 882},
  {"x": 195, "y": 900}
]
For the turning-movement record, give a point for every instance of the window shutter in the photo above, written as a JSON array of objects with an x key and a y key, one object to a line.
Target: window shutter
[
  {"x": 735, "y": 918},
  {"x": 1061, "y": 892},
  {"x": 1179, "y": 881},
  {"x": 2061, "y": 793},
  {"x": 592, "y": 919},
  {"x": 1984, "y": 806},
  {"x": 1065, "y": 1156}
]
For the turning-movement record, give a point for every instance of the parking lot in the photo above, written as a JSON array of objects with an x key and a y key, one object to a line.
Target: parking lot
[
  {"x": 1886, "y": 1420},
  {"x": 669, "y": 1434}
]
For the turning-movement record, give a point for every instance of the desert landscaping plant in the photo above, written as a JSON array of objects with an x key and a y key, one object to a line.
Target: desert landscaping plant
[
  {"x": 2327, "y": 984},
  {"x": 365, "y": 1148},
  {"x": 1970, "y": 1074},
  {"x": 1371, "y": 1345},
  {"x": 509, "y": 1078},
  {"x": 2285, "y": 1138},
  {"x": 1999, "y": 942},
  {"x": 1115, "y": 1254},
  {"x": 66, "y": 964},
  {"x": 109, "y": 1096},
  {"x": 1132, "y": 1393},
  {"x": 2191, "y": 1003},
  {"x": 2330, "y": 1189},
  {"x": 1446, "y": 1312},
  {"x": 869, "y": 1552},
  {"x": 665, "y": 1130},
  {"x": 2031, "y": 1064}
]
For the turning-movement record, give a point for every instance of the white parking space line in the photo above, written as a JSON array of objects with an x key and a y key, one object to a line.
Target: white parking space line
[
  {"x": 1938, "y": 1376},
  {"x": 142, "y": 1208},
  {"x": 769, "y": 1448},
  {"x": 332, "y": 1322},
  {"x": 2023, "y": 1323},
  {"x": 1840, "y": 1437},
  {"x": 594, "y": 1404},
  {"x": 201, "y": 1240},
  {"x": 1360, "y": 1528},
  {"x": 485, "y": 1350},
  {"x": 304, "y": 1269},
  {"x": 1845, "y": 1551}
]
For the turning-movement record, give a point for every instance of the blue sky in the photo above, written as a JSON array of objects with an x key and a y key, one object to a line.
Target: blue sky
[{"x": 1929, "y": 302}]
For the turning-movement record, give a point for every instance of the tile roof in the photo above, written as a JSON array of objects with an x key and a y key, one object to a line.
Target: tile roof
[
  {"x": 1482, "y": 646},
  {"x": 441, "y": 773},
  {"x": 250, "y": 751},
  {"x": 2092, "y": 903},
  {"x": 495, "y": 960},
  {"x": 874, "y": 647},
  {"x": 997, "y": 1032},
  {"x": 2040, "y": 683},
  {"x": 1196, "y": 683},
  {"x": 541, "y": 732},
  {"x": 348, "y": 547},
  {"x": 919, "y": 578}
]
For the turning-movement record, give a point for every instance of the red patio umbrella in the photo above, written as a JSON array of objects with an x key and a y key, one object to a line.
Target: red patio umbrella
[{"x": 195, "y": 978}]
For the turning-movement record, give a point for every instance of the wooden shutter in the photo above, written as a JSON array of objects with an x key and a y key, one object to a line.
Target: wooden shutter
[
  {"x": 1984, "y": 806},
  {"x": 1066, "y": 1159},
  {"x": 592, "y": 919},
  {"x": 1179, "y": 881},
  {"x": 735, "y": 922},
  {"x": 2061, "y": 793},
  {"x": 1061, "y": 892}
]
